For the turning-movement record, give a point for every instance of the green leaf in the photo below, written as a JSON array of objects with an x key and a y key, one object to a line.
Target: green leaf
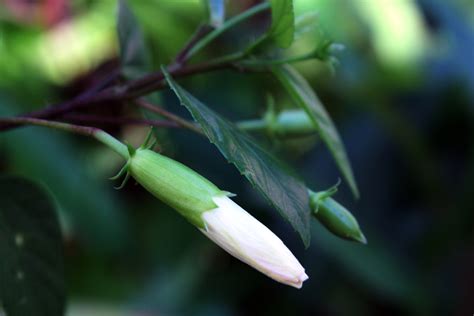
[
  {"x": 377, "y": 269},
  {"x": 305, "y": 23},
  {"x": 216, "y": 12},
  {"x": 134, "y": 56},
  {"x": 31, "y": 268},
  {"x": 283, "y": 22},
  {"x": 306, "y": 98},
  {"x": 287, "y": 194}
]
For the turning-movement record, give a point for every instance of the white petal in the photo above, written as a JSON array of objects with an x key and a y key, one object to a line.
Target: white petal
[{"x": 244, "y": 237}]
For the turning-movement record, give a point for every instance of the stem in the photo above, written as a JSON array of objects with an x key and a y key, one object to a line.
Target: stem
[
  {"x": 130, "y": 91},
  {"x": 202, "y": 31},
  {"x": 118, "y": 120},
  {"x": 252, "y": 125},
  {"x": 145, "y": 84},
  {"x": 103, "y": 82},
  {"x": 233, "y": 57},
  {"x": 98, "y": 134},
  {"x": 259, "y": 62},
  {"x": 112, "y": 143},
  {"x": 76, "y": 129},
  {"x": 227, "y": 25},
  {"x": 172, "y": 117}
]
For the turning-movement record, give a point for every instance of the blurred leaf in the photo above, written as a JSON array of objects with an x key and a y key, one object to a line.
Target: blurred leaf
[
  {"x": 306, "y": 98},
  {"x": 288, "y": 195},
  {"x": 376, "y": 268},
  {"x": 216, "y": 12},
  {"x": 134, "y": 56},
  {"x": 133, "y": 51},
  {"x": 97, "y": 216},
  {"x": 32, "y": 268},
  {"x": 305, "y": 23},
  {"x": 283, "y": 22}
]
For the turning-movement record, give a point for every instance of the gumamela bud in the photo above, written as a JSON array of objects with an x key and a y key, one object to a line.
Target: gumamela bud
[
  {"x": 291, "y": 123},
  {"x": 335, "y": 217},
  {"x": 216, "y": 215}
]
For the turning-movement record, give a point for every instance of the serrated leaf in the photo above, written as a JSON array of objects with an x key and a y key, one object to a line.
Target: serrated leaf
[
  {"x": 287, "y": 194},
  {"x": 306, "y": 98},
  {"x": 283, "y": 22},
  {"x": 31, "y": 266},
  {"x": 133, "y": 52},
  {"x": 216, "y": 12}
]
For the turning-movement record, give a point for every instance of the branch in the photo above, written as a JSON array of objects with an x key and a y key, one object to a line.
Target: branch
[
  {"x": 172, "y": 117},
  {"x": 94, "y": 132},
  {"x": 151, "y": 82},
  {"x": 129, "y": 91},
  {"x": 86, "y": 118},
  {"x": 203, "y": 30},
  {"x": 81, "y": 130}
]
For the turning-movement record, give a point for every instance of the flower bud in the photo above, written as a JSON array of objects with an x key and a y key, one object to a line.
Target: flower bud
[
  {"x": 335, "y": 217},
  {"x": 291, "y": 123},
  {"x": 244, "y": 237},
  {"x": 216, "y": 215}
]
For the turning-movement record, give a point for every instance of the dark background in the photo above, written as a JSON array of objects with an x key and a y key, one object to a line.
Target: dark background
[{"x": 402, "y": 98}]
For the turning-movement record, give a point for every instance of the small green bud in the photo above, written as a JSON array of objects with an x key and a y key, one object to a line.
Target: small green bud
[
  {"x": 174, "y": 183},
  {"x": 335, "y": 217},
  {"x": 290, "y": 123}
]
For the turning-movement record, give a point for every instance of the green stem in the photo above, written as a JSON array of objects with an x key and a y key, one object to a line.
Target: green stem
[
  {"x": 252, "y": 125},
  {"x": 233, "y": 57},
  {"x": 112, "y": 143},
  {"x": 98, "y": 134},
  {"x": 271, "y": 62},
  {"x": 227, "y": 25}
]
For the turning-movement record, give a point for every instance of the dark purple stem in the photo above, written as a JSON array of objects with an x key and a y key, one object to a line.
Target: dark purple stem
[
  {"x": 203, "y": 30},
  {"x": 86, "y": 118}
]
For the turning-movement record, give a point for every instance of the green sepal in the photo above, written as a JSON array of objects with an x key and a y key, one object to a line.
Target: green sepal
[
  {"x": 121, "y": 173},
  {"x": 131, "y": 149},
  {"x": 328, "y": 192},
  {"x": 335, "y": 217},
  {"x": 148, "y": 137},
  {"x": 124, "y": 182},
  {"x": 150, "y": 141},
  {"x": 175, "y": 184}
]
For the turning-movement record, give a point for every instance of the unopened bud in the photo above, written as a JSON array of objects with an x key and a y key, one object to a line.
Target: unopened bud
[
  {"x": 216, "y": 215},
  {"x": 291, "y": 123},
  {"x": 335, "y": 217}
]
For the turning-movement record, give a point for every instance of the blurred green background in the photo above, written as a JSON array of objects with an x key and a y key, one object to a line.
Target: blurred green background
[{"x": 402, "y": 98}]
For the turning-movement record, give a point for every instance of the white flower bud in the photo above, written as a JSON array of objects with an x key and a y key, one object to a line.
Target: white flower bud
[
  {"x": 216, "y": 215},
  {"x": 244, "y": 237}
]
